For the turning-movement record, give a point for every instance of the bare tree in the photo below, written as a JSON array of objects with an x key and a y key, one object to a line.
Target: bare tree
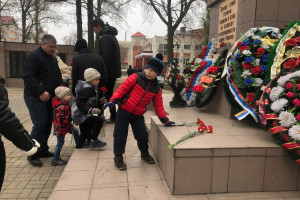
[
  {"x": 172, "y": 13},
  {"x": 79, "y": 19},
  {"x": 70, "y": 39}
]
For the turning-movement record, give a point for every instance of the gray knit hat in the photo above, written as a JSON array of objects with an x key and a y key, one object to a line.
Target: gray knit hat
[
  {"x": 91, "y": 74},
  {"x": 61, "y": 91}
]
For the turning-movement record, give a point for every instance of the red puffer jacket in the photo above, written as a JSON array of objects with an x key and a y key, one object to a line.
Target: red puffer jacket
[
  {"x": 135, "y": 94},
  {"x": 61, "y": 116}
]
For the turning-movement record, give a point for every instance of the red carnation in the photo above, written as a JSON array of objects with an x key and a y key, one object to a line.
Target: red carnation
[
  {"x": 298, "y": 117},
  {"x": 250, "y": 97},
  {"x": 244, "y": 48},
  {"x": 203, "y": 64},
  {"x": 201, "y": 129},
  {"x": 290, "y": 95},
  {"x": 198, "y": 88},
  {"x": 291, "y": 42},
  {"x": 290, "y": 64},
  {"x": 298, "y": 87},
  {"x": 200, "y": 122},
  {"x": 247, "y": 65},
  {"x": 256, "y": 70},
  {"x": 239, "y": 44},
  {"x": 103, "y": 89},
  {"x": 210, "y": 129},
  {"x": 289, "y": 85},
  {"x": 259, "y": 52},
  {"x": 212, "y": 70},
  {"x": 296, "y": 102}
]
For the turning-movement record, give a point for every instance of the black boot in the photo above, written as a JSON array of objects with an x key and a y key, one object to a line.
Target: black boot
[
  {"x": 147, "y": 158},
  {"x": 34, "y": 160},
  {"x": 119, "y": 162}
]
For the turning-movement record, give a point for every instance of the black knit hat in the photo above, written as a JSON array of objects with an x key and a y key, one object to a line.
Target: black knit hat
[
  {"x": 80, "y": 44},
  {"x": 156, "y": 63}
]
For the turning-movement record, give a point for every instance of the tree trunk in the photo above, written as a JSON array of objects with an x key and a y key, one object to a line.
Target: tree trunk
[
  {"x": 99, "y": 3},
  {"x": 90, "y": 30},
  {"x": 37, "y": 12},
  {"x": 23, "y": 26},
  {"x": 79, "y": 19},
  {"x": 170, "y": 45}
]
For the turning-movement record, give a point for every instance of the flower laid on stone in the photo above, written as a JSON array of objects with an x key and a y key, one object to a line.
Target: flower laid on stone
[{"x": 202, "y": 128}]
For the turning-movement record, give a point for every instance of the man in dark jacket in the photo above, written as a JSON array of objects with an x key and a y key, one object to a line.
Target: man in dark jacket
[
  {"x": 13, "y": 130},
  {"x": 41, "y": 77},
  {"x": 84, "y": 60},
  {"x": 110, "y": 51}
]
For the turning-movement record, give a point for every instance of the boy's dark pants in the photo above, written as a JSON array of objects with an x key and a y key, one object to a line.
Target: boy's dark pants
[
  {"x": 90, "y": 127},
  {"x": 140, "y": 133}
]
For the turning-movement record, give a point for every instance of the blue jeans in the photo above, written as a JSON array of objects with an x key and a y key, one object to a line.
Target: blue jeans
[
  {"x": 61, "y": 141},
  {"x": 41, "y": 115}
]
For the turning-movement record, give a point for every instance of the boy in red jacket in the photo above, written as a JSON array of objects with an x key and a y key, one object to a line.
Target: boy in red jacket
[
  {"x": 62, "y": 121},
  {"x": 134, "y": 95}
]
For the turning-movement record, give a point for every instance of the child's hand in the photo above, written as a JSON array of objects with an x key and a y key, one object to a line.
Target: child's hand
[
  {"x": 169, "y": 123},
  {"x": 110, "y": 104},
  {"x": 103, "y": 100},
  {"x": 95, "y": 111}
]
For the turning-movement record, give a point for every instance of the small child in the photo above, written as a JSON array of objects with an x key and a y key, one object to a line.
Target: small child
[
  {"x": 134, "y": 95},
  {"x": 86, "y": 104},
  {"x": 62, "y": 121}
]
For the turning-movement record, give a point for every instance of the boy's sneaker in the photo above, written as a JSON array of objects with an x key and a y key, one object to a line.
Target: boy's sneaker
[
  {"x": 58, "y": 162},
  {"x": 97, "y": 144},
  {"x": 119, "y": 162},
  {"x": 147, "y": 158}
]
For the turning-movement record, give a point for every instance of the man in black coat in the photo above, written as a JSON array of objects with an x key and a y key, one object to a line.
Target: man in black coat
[
  {"x": 84, "y": 60},
  {"x": 41, "y": 77},
  {"x": 110, "y": 51},
  {"x": 13, "y": 130}
]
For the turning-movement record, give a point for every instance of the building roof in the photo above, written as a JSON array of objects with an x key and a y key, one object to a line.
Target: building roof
[
  {"x": 7, "y": 19},
  {"x": 138, "y": 34}
]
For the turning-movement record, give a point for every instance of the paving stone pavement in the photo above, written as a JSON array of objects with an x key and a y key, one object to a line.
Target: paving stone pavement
[{"x": 22, "y": 180}]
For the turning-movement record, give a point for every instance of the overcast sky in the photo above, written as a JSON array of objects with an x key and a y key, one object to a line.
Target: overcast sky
[{"x": 135, "y": 24}]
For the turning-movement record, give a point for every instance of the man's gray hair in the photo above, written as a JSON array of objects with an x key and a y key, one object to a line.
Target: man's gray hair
[{"x": 48, "y": 38}]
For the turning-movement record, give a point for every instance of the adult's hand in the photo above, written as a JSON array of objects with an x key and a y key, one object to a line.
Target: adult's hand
[
  {"x": 45, "y": 96},
  {"x": 170, "y": 123}
]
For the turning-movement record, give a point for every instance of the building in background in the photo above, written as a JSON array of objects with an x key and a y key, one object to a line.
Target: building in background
[{"x": 10, "y": 32}]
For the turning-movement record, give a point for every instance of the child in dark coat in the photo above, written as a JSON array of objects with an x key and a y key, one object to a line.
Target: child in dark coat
[
  {"x": 134, "y": 95},
  {"x": 62, "y": 121},
  {"x": 85, "y": 107}
]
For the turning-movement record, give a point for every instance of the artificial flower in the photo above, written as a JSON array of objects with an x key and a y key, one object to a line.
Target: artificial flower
[
  {"x": 257, "y": 40},
  {"x": 239, "y": 44},
  {"x": 279, "y": 104},
  {"x": 257, "y": 61},
  {"x": 198, "y": 60},
  {"x": 237, "y": 57},
  {"x": 203, "y": 64},
  {"x": 249, "y": 81},
  {"x": 246, "y": 52},
  {"x": 265, "y": 58},
  {"x": 246, "y": 73},
  {"x": 289, "y": 85},
  {"x": 258, "y": 82},
  {"x": 290, "y": 42},
  {"x": 265, "y": 46},
  {"x": 249, "y": 59},
  {"x": 198, "y": 88},
  {"x": 247, "y": 65},
  {"x": 264, "y": 68},
  {"x": 290, "y": 64},
  {"x": 206, "y": 79},
  {"x": 256, "y": 70},
  {"x": 212, "y": 69},
  {"x": 286, "y": 119},
  {"x": 296, "y": 102},
  {"x": 247, "y": 42},
  {"x": 290, "y": 95},
  {"x": 259, "y": 52},
  {"x": 250, "y": 97},
  {"x": 244, "y": 48},
  {"x": 294, "y": 132},
  {"x": 275, "y": 93}
]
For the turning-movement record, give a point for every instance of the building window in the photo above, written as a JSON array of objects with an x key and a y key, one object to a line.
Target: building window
[
  {"x": 187, "y": 47},
  {"x": 163, "y": 49},
  {"x": 198, "y": 47},
  {"x": 16, "y": 60},
  {"x": 186, "y": 60}
]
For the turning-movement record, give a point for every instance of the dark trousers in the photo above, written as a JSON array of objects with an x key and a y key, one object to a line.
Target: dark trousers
[
  {"x": 138, "y": 126},
  {"x": 110, "y": 90},
  {"x": 2, "y": 163},
  {"x": 90, "y": 128},
  {"x": 41, "y": 115}
]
